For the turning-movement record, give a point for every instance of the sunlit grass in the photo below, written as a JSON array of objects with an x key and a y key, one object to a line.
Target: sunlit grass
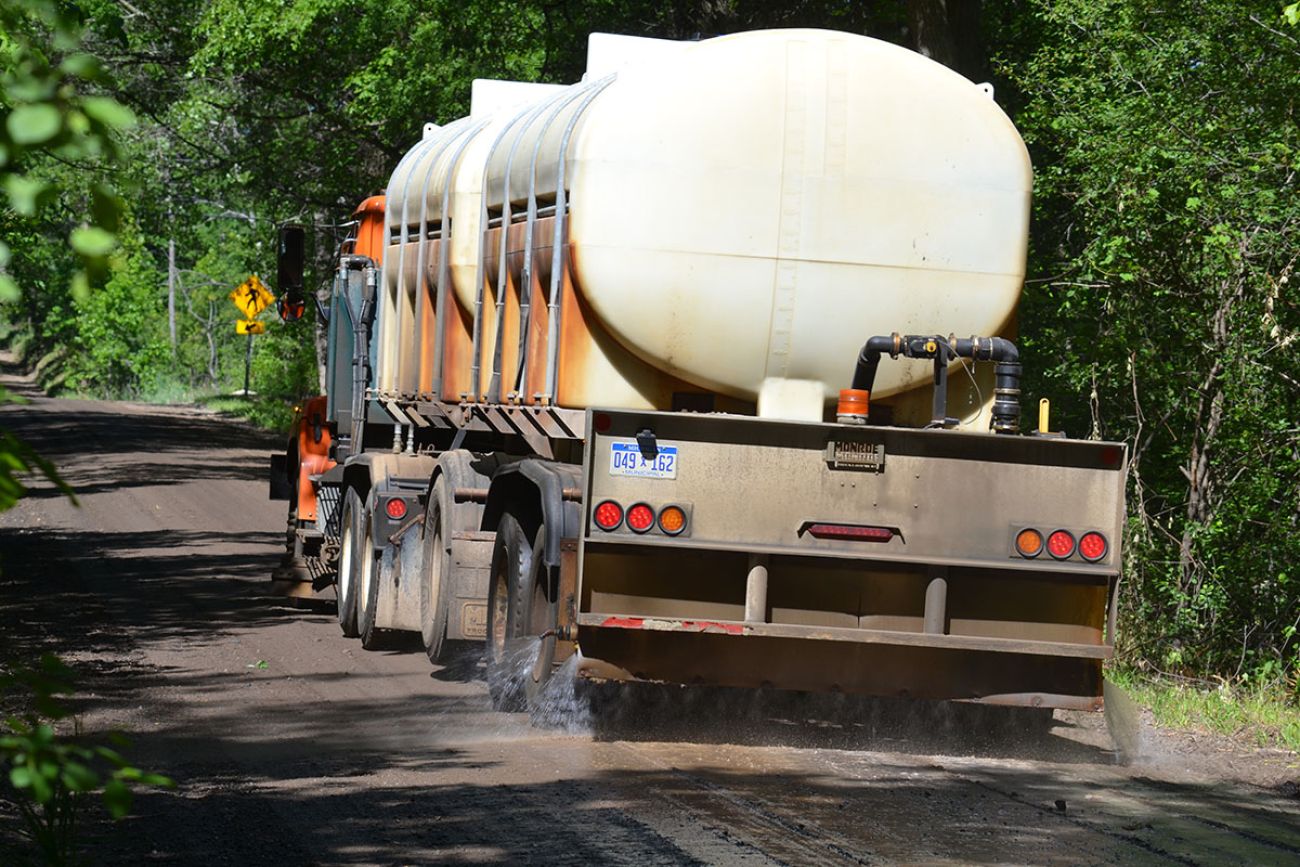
[
  {"x": 267, "y": 413},
  {"x": 1262, "y": 716}
]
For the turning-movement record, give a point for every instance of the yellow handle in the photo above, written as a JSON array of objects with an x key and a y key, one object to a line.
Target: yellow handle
[{"x": 1044, "y": 415}]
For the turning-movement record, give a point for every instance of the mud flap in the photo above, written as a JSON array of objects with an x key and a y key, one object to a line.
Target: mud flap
[
  {"x": 471, "y": 561},
  {"x": 401, "y": 568},
  {"x": 280, "y": 487}
]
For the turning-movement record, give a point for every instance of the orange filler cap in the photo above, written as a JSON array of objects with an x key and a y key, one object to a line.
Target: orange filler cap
[{"x": 853, "y": 406}]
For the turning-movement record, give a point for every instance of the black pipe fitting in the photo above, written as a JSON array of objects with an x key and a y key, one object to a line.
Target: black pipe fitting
[
  {"x": 1006, "y": 392},
  {"x": 869, "y": 359}
]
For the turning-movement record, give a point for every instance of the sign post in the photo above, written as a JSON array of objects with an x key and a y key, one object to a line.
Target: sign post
[{"x": 251, "y": 297}]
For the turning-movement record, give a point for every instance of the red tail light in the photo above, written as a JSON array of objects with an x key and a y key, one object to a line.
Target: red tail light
[
  {"x": 1093, "y": 547},
  {"x": 1060, "y": 544},
  {"x": 608, "y": 515},
  {"x": 640, "y": 518},
  {"x": 395, "y": 508},
  {"x": 855, "y": 532}
]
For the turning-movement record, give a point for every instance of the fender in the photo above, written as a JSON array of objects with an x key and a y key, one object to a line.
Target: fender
[
  {"x": 458, "y": 467},
  {"x": 534, "y": 490},
  {"x": 383, "y": 472}
]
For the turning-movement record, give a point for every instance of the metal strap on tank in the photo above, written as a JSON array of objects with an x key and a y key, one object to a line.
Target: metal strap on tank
[
  {"x": 528, "y": 112},
  {"x": 455, "y": 132},
  {"x": 558, "y": 102},
  {"x": 557, "y": 248},
  {"x": 416, "y": 154},
  {"x": 388, "y": 199},
  {"x": 444, "y": 254},
  {"x": 526, "y": 277},
  {"x": 388, "y": 191},
  {"x": 413, "y": 154},
  {"x": 529, "y": 230}
]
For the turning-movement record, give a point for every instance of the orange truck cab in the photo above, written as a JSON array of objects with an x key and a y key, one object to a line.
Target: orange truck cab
[{"x": 323, "y": 423}]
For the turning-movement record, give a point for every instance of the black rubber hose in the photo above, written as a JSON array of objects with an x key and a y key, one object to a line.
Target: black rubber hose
[
  {"x": 986, "y": 349},
  {"x": 1006, "y": 376},
  {"x": 864, "y": 374}
]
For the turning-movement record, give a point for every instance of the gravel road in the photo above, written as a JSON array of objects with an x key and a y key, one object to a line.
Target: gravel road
[{"x": 291, "y": 745}]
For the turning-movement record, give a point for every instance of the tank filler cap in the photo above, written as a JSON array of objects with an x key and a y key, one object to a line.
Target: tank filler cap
[{"x": 853, "y": 406}]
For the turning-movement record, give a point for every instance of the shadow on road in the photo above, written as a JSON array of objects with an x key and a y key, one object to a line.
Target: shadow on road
[{"x": 128, "y": 586}]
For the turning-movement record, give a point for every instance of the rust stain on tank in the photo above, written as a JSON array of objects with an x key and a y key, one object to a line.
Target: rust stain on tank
[{"x": 427, "y": 306}]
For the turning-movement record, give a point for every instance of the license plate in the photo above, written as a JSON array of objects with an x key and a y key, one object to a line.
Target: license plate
[{"x": 625, "y": 459}]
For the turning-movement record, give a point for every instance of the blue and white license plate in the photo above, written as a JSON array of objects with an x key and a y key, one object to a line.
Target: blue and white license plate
[{"x": 625, "y": 459}]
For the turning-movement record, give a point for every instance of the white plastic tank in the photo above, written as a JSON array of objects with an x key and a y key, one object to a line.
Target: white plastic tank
[{"x": 740, "y": 211}]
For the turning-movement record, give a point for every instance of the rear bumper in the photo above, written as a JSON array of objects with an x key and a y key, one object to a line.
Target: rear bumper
[
  {"x": 858, "y": 636},
  {"x": 828, "y": 659}
]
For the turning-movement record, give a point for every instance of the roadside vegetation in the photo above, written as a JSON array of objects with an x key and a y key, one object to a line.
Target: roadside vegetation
[
  {"x": 57, "y": 106},
  {"x": 1254, "y": 714},
  {"x": 1160, "y": 310}
]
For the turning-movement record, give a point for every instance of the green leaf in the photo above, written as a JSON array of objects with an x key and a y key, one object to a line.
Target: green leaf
[
  {"x": 9, "y": 291},
  {"x": 82, "y": 65},
  {"x": 80, "y": 286},
  {"x": 117, "y": 797},
  {"x": 34, "y": 124},
  {"x": 79, "y": 778},
  {"x": 21, "y": 777},
  {"x": 24, "y": 194},
  {"x": 92, "y": 241},
  {"x": 108, "y": 111},
  {"x": 105, "y": 208},
  {"x": 1291, "y": 14},
  {"x": 42, "y": 791}
]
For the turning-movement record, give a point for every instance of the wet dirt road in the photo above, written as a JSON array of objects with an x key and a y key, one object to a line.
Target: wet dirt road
[{"x": 293, "y": 746}]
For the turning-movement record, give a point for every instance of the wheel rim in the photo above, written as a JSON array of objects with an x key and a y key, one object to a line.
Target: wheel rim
[
  {"x": 541, "y": 621},
  {"x": 500, "y": 603},
  {"x": 367, "y": 571},
  {"x": 345, "y": 564},
  {"x": 435, "y": 578}
]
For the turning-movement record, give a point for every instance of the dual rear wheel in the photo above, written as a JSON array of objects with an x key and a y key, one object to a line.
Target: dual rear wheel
[
  {"x": 357, "y": 583},
  {"x": 522, "y": 597},
  {"x": 350, "y": 556},
  {"x": 522, "y": 618}
]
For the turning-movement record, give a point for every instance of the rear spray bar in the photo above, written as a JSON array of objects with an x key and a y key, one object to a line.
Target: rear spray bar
[{"x": 855, "y": 401}]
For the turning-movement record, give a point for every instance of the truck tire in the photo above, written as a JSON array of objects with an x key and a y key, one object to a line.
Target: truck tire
[
  {"x": 538, "y": 618},
  {"x": 346, "y": 583},
  {"x": 372, "y": 638},
  {"x": 512, "y": 560},
  {"x": 435, "y": 573}
]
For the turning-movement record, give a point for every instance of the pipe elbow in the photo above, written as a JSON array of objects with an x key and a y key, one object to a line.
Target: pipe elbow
[{"x": 1004, "y": 350}]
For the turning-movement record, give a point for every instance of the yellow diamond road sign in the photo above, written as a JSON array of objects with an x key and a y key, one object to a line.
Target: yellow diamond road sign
[
  {"x": 252, "y": 297},
  {"x": 250, "y": 326}
]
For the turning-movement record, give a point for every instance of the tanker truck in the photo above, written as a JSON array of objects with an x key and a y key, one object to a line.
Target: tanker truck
[{"x": 702, "y": 370}]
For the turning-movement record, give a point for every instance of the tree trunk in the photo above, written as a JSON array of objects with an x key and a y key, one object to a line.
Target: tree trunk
[{"x": 948, "y": 31}]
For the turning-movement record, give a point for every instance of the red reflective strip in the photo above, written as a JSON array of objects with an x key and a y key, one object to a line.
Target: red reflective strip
[
  {"x": 856, "y": 533},
  {"x": 706, "y": 625},
  {"x": 679, "y": 625},
  {"x": 624, "y": 622}
]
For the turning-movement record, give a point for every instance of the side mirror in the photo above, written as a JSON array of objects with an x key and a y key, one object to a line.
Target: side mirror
[{"x": 290, "y": 260}]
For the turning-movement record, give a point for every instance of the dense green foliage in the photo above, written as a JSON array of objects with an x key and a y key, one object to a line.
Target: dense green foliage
[
  {"x": 1167, "y": 238},
  {"x": 1159, "y": 310},
  {"x": 57, "y": 141}
]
